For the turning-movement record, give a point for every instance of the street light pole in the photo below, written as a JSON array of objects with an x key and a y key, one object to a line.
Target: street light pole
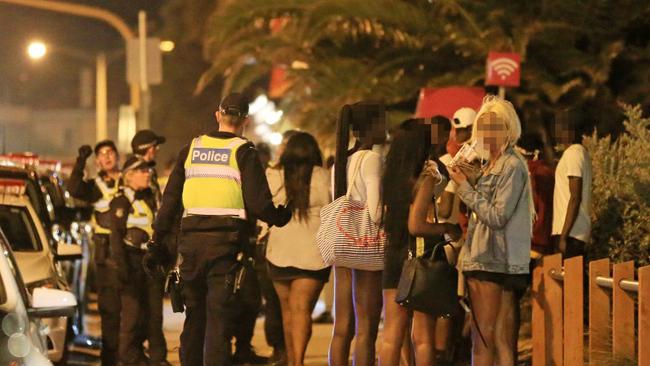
[
  {"x": 101, "y": 98},
  {"x": 88, "y": 12},
  {"x": 144, "y": 83}
]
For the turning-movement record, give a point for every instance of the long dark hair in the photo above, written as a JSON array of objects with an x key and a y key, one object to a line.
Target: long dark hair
[
  {"x": 358, "y": 117},
  {"x": 408, "y": 152},
  {"x": 298, "y": 160}
]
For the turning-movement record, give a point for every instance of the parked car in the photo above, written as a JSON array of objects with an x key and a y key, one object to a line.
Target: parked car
[
  {"x": 23, "y": 339},
  {"x": 36, "y": 261}
]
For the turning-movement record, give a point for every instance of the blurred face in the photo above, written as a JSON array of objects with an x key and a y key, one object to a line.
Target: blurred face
[
  {"x": 564, "y": 135},
  {"x": 492, "y": 133},
  {"x": 463, "y": 134},
  {"x": 106, "y": 158},
  {"x": 139, "y": 179},
  {"x": 439, "y": 134},
  {"x": 375, "y": 135}
]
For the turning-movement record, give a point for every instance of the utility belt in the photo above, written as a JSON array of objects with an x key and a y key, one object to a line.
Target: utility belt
[
  {"x": 103, "y": 220},
  {"x": 193, "y": 223},
  {"x": 136, "y": 238}
]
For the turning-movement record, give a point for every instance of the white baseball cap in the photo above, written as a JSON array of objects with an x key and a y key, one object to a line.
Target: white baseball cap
[{"x": 463, "y": 118}]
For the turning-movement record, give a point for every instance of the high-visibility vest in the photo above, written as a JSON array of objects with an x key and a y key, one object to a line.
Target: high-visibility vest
[
  {"x": 139, "y": 221},
  {"x": 101, "y": 217},
  {"x": 213, "y": 179}
]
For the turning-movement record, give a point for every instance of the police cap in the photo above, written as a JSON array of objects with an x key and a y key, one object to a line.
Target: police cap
[{"x": 235, "y": 104}]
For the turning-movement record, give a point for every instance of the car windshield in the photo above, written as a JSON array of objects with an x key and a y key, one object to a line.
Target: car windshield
[
  {"x": 38, "y": 200},
  {"x": 19, "y": 229}
]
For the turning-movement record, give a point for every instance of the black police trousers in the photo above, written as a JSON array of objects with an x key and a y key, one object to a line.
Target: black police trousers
[
  {"x": 108, "y": 300},
  {"x": 142, "y": 300},
  {"x": 248, "y": 303},
  {"x": 273, "y": 329},
  {"x": 208, "y": 267}
]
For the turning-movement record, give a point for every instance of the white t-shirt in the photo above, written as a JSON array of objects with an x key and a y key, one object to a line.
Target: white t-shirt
[
  {"x": 575, "y": 162},
  {"x": 451, "y": 188},
  {"x": 367, "y": 185}
]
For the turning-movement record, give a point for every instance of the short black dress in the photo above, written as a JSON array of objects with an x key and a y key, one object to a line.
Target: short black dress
[{"x": 292, "y": 273}]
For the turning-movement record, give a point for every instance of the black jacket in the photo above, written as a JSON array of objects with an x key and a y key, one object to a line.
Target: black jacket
[
  {"x": 86, "y": 190},
  {"x": 121, "y": 206},
  {"x": 255, "y": 189}
]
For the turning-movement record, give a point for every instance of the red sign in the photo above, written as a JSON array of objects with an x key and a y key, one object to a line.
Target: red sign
[
  {"x": 503, "y": 69},
  {"x": 446, "y": 101}
]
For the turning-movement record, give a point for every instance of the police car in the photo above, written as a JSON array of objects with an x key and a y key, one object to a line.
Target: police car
[
  {"x": 37, "y": 263},
  {"x": 23, "y": 335}
]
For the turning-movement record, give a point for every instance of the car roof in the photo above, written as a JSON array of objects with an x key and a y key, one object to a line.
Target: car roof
[{"x": 18, "y": 172}]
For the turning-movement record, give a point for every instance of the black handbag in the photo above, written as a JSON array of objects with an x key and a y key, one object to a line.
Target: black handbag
[{"x": 429, "y": 283}]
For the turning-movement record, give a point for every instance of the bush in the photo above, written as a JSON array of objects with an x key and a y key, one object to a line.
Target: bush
[{"x": 621, "y": 191}]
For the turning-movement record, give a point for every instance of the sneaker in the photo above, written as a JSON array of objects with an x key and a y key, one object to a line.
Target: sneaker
[
  {"x": 279, "y": 357},
  {"x": 324, "y": 318},
  {"x": 248, "y": 356}
]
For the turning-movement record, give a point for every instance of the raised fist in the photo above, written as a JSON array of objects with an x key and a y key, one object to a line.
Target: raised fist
[{"x": 85, "y": 151}]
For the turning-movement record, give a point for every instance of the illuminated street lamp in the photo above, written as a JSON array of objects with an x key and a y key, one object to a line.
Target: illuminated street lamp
[
  {"x": 36, "y": 50},
  {"x": 167, "y": 46}
]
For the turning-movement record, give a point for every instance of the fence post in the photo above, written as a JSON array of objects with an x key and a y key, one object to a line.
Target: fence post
[
  {"x": 539, "y": 303},
  {"x": 623, "y": 321},
  {"x": 553, "y": 317},
  {"x": 573, "y": 312},
  {"x": 599, "y": 314},
  {"x": 644, "y": 315}
]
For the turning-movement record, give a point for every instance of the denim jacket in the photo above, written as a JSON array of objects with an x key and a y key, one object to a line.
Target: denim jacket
[{"x": 499, "y": 231}]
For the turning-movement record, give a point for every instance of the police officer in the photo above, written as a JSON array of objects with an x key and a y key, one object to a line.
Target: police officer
[
  {"x": 220, "y": 186},
  {"x": 145, "y": 144},
  {"x": 132, "y": 214},
  {"x": 99, "y": 192}
]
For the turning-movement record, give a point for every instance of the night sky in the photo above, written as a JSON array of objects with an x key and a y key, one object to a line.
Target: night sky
[{"x": 53, "y": 82}]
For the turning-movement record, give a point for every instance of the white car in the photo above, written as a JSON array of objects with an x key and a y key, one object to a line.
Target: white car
[
  {"x": 23, "y": 335},
  {"x": 30, "y": 245}
]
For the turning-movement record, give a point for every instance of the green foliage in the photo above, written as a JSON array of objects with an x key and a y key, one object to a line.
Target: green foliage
[
  {"x": 621, "y": 191},
  {"x": 388, "y": 49}
]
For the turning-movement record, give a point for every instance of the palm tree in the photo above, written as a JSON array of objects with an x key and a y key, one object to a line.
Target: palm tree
[{"x": 346, "y": 50}]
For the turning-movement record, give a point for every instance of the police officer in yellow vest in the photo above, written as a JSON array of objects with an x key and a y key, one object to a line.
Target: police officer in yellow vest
[
  {"x": 99, "y": 192},
  {"x": 132, "y": 214},
  {"x": 220, "y": 187}
]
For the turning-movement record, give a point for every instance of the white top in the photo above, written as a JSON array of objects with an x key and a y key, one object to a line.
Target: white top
[
  {"x": 367, "y": 185},
  {"x": 451, "y": 188},
  {"x": 575, "y": 162},
  {"x": 294, "y": 245}
]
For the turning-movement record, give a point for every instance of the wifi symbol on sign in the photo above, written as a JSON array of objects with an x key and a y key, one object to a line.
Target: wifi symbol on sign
[{"x": 504, "y": 67}]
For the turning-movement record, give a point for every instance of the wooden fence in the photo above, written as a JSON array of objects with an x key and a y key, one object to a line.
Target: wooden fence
[{"x": 558, "y": 305}]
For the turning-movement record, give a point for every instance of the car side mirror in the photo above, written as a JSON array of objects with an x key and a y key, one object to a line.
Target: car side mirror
[
  {"x": 68, "y": 252},
  {"x": 51, "y": 303}
]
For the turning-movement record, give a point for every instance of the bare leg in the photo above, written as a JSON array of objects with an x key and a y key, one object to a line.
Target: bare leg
[
  {"x": 304, "y": 294},
  {"x": 343, "y": 318},
  {"x": 506, "y": 340},
  {"x": 283, "y": 289},
  {"x": 367, "y": 311},
  {"x": 407, "y": 356},
  {"x": 396, "y": 319},
  {"x": 424, "y": 327},
  {"x": 486, "y": 301},
  {"x": 443, "y": 330}
]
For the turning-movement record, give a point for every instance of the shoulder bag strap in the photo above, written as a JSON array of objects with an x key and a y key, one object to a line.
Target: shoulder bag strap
[{"x": 356, "y": 171}]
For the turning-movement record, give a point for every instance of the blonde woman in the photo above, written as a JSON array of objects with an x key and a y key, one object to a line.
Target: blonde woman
[
  {"x": 132, "y": 214},
  {"x": 499, "y": 232}
]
